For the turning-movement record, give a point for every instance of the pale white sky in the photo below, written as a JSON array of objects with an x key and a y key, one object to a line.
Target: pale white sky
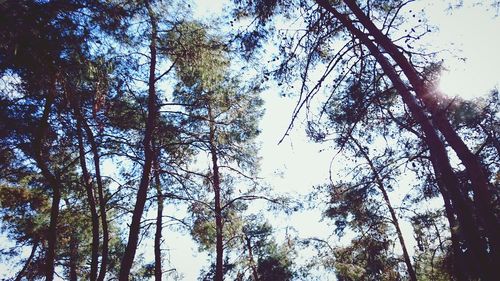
[{"x": 472, "y": 33}]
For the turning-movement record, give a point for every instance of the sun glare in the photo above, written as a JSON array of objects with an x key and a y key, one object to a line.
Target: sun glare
[
  {"x": 470, "y": 36},
  {"x": 474, "y": 77},
  {"x": 467, "y": 83}
]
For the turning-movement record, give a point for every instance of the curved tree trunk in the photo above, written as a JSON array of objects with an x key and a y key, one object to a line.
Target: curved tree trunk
[
  {"x": 54, "y": 220},
  {"x": 102, "y": 200},
  {"x": 133, "y": 238},
  {"x": 251, "y": 260},
  {"x": 27, "y": 263},
  {"x": 480, "y": 184},
  {"x": 87, "y": 181},
  {"x": 458, "y": 263},
  {"x": 436, "y": 146}
]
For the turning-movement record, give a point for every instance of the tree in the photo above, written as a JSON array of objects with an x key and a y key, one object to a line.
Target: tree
[
  {"x": 25, "y": 212},
  {"x": 222, "y": 117},
  {"x": 433, "y": 253},
  {"x": 326, "y": 21},
  {"x": 152, "y": 109},
  {"x": 43, "y": 46},
  {"x": 120, "y": 111}
]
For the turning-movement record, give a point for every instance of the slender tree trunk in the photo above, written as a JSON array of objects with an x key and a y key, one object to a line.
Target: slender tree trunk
[
  {"x": 73, "y": 271},
  {"x": 73, "y": 255},
  {"x": 219, "y": 247},
  {"x": 87, "y": 180},
  {"x": 21, "y": 273},
  {"x": 248, "y": 243},
  {"x": 52, "y": 180},
  {"x": 395, "y": 221},
  {"x": 437, "y": 148},
  {"x": 54, "y": 220},
  {"x": 159, "y": 223},
  {"x": 133, "y": 238},
  {"x": 73, "y": 275},
  {"x": 480, "y": 184},
  {"x": 102, "y": 200}
]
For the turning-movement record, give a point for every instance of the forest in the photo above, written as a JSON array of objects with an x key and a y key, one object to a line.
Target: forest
[{"x": 247, "y": 140}]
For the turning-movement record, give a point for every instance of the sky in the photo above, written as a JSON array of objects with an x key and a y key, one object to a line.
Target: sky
[
  {"x": 471, "y": 33},
  {"x": 297, "y": 165}
]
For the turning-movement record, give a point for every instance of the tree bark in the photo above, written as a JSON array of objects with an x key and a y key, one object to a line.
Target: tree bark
[
  {"x": 219, "y": 247},
  {"x": 482, "y": 196},
  {"x": 52, "y": 180},
  {"x": 73, "y": 254},
  {"x": 87, "y": 181},
  {"x": 159, "y": 222},
  {"x": 436, "y": 146},
  {"x": 102, "y": 200},
  {"x": 248, "y": 243},
  {"x": 133, "y": 238},
  {"x": 54, "y": 220},
  {"x": 395, "y": 221},
  {"x": 458, "y": 261}
]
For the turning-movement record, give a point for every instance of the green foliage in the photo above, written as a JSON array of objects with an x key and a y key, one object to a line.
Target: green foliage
[
  {"x": 200, "y": 59},
  {"x": 202, "y": 65},
  {"x": 204, "y": 230},
  {"x": 270, "y": 260},
  {"x": 366, "y": 258},
  {"x": 275, "y": 264},
  {"x": 222, "y": 114},
  {"x": 24, "y": 212},
  {"x": 432, "y": 267},
  {"x": 433, "y": 257},
  {"x": 126, "y": 114}
]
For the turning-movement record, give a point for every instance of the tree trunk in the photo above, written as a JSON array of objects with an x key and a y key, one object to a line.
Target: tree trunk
[
  {"x": 102, "y": 200},
  {"x": 219, "y": 247},
  {"x": 73, "y": 272},
  {"x": 395, "y": 221},
  {"x": 133, "y": 238},
  {"x": 73, "y": 254},
  {"x": 480, "y": 184},
  {"x": 458, "y": 261},
  {"x": 248, "y": 243},
  {"x": 52, "y": 180},
  {"x": 54, "y": 220},
  {"x": 28, "y": 262},
  {"x": 159, "y": 223},
  {"x": 437, "y": 148},
  {"x": 87, "y": 181}
]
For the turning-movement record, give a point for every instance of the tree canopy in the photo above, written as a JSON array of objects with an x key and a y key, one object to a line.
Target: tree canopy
[{"x": 130, "y": 127}]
